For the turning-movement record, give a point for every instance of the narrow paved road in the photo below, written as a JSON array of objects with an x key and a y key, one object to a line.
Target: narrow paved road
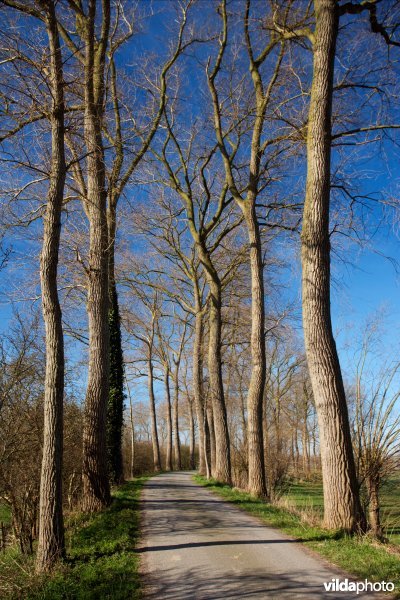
[{"x": 196, "y": 546}]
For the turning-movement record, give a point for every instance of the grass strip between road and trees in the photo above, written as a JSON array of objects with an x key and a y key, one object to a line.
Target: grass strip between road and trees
[
  {"x": 100, "y": 563},
  {"x": 307, "y": 497},
  {"x": 360, "y": 556}
]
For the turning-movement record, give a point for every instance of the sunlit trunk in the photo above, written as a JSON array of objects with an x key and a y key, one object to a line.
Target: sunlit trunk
[
  {"x": 168, "y": 459},
  {"x": 256, "y": 477},
  {"x": 153, "y": 416},
  {"x": 198, "y": 385},
  {"x": 342, "y": 508},
  {"x": 96, "y": 488},
  {"x": 177, "y": 442},
  {"x": 51, "y": 526}
]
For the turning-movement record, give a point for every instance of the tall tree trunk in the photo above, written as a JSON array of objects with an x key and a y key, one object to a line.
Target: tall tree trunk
[
  {"x": 96, "y": 487},
  {"x": 168, "y": 461},
  {"x": 115, "y": 406},
  {"x": 177, "y": 361},
  {"x": 306, "y": 439},
  {"x": 222, "y": 447},
  {"x": 374, "y": 507},
  {"x": 132, "y": 469},
  {"x": 266, "y": 438},
  {"x": 247, "y": 204},
  {"x": 96, "y": 491},
  {"x": 222, "y": 470},
  {"x": 244, "y": 420},
  {"x": 192, "y": 447},
  {"x": 153, "y": 416},
  {"x": 177, "y": 442},
  {"x": 198, "y": 385},
  {"x": 341, "y": 497},
  {"x": 207, "y": 447},
  {"x": 256, "y": 477},
  {"x": 293, "y": 453},
  {"x": 296, "y": 447},
  {"x": 213, "y": 443},
  {"x": 51, "y": 526}
]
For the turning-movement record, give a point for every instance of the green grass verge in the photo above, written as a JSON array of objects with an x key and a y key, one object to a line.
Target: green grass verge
[
  {"x": 390, "y": 499},
  {"x": 101, "y": 561},
  {"x": 359, "y": 556},
  {"x": 309, "y": 496}
]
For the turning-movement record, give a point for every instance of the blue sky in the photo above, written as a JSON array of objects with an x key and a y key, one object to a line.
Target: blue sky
[
  {"x": 369, "y": 290},
  {"x": 358, "y": 291}
]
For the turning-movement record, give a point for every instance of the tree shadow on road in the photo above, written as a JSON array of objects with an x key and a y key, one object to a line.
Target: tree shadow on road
[{"x": 198, "y": 584}]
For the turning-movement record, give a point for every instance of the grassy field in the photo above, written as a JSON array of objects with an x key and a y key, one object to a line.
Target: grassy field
[
  {"x": 308, "y": 496},
  {"x": 5, "y": 514},
  {"x": 361, "y": 557},
  {"x": 391, "y": 509},
  {"x": 101, "y": 562}
]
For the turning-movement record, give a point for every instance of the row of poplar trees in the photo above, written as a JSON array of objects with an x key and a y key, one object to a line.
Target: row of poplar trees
[{"x": 84, "y": 38}]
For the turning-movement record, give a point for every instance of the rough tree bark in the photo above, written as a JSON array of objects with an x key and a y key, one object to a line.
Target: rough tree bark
[
  {"x": 305, "y": 432},
  {"x": 222, "y": 470},
  {"x": 247, "y": 203},
  {"x": 256, "y": 478},
  {"x": 153, "y": 415},
  {"x": 96, "y": 489},
  {"x": 132, "y": 423},
  {"x": 342, "y": 508},
  {"x": 51, "y": 526},
  {"x": 192, "y": 447},
  {"x": 212, "y": 449},
  {"x": 198, "y": 379},
  {"x": 177, "y": 442},
  {"x": 168, "y": 459}
]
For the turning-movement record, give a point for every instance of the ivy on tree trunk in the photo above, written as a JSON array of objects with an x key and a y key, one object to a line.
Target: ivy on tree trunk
[{"x": 116, "y": 397}]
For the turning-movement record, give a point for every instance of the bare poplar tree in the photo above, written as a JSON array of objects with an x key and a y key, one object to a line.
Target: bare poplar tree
[
  {"x": 168, "y": 458},
  {"x": 191, "y": 418},
  {"x": 96, "y": 489},
  {"x": 246, "y": 185},
  {"x": 150, "y": 381},
  {"x": 177, "y": 358},
  {"x": 198, "y": 378},
  {"x": 376, "y": 424},
  {"x": 124, "y": 165},
  {"x": 51, "y": 527},
  {"x": 146, "y": 330},
  {"x": 167, "y": 237},
  {"x": 166, "y": 365},
  {"x": 197, "y": 203},
  {"x": 342, "y": 508}
]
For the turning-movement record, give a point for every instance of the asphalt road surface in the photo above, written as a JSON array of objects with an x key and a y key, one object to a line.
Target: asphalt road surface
[{"x": 196, "y": 546}]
